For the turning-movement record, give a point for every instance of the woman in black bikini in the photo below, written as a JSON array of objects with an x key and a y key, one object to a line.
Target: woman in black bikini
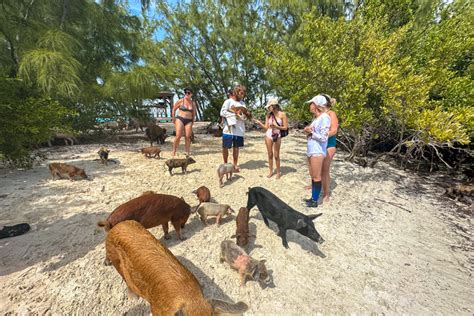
[{"x": 186, "y": 117}]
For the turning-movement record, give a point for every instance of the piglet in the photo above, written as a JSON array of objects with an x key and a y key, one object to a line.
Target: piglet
[
  {"x": 225, "y": 169},
  {"x": 212, "y": 209},
  {"x": 247, "y": 266},
  {"x": 62, "y": 170},
  {"x": 179, "y": 163},
  {"x": 242, "y": 233},
  {"x": 151, "y": 151},
  {"x": 203, "y": 194},
  {"x": 104, "y": 155}
]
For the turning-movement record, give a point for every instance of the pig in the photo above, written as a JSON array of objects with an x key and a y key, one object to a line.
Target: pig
[
  {"x": 242, "y": 233},
  {"x": 179, "y": 163},
  {"x": 212, "y": 209},
  {"x": 247, "y": 266},
  {"x": 68, "y": 139},
  {"x": 151, "y": 151},
  {"x": 62, "y": 170},
  {"x": 203, "y": 194},
  {"x": 15, "y": 230},
  {"x": 155, "y": 133},
  {"x": 224, "y": 169},
  {"x": 151, "y": 271},
  {"x": 138, "y": 123},
  {"x": 271, "y": 207},
  {"x": 103, "y": 155},
  {"x": 152, "y": 209}
]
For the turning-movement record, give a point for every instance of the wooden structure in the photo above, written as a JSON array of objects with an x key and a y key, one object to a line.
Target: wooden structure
[{"x": 160, "y": 104}]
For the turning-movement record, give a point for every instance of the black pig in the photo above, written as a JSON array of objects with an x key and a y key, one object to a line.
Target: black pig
[{"x": 271, "y": 207}]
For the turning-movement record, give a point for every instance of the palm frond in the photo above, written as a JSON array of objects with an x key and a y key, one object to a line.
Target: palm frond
[{"x": 52, "y": 71}]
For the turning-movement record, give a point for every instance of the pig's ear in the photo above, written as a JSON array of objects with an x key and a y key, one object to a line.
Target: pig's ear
[
  {"x": 312, "y": 217},
  {"x": 256, "y": 273},
  {"x": 179, "y": 313},
  {"x": 300, "y": 223}
]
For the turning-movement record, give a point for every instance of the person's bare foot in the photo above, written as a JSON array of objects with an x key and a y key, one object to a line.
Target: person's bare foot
[
  {"x": 269, "y": 175},
  {"x": 326, "y": 199},
  {"x": 278, "y": 175},
  {"x": 236, "y": 169}
]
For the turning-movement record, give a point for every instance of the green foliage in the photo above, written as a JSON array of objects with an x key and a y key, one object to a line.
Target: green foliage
[
  {"x": 396, "y": 68},
  {"x": 26, "y": 119}
]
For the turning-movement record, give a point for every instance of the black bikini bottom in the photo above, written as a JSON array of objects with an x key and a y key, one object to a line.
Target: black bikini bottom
[{"x": 185, "y": 121}]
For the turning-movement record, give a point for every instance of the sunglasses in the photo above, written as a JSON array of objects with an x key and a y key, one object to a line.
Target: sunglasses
[{"x": 189, "y": 93}]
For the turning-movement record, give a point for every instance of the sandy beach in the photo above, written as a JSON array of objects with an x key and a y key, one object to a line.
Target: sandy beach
[{"x": 394, "y": 244}]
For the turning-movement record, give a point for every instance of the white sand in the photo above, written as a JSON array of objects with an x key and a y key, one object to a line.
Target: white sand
[{"x": 377, "y": 257}]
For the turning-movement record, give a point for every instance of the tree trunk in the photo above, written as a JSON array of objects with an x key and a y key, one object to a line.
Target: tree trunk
[
  {"x": 12, "y": 54},
  {"x": 65, "y": 11}
]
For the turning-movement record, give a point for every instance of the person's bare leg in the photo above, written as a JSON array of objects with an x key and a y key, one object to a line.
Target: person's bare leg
[
  {"x": 325, "y": 176},
  {"x": 235, "y": 157},
  {"x": 178, "y": 127},
  {"x": 225, "y": 154},
  {"x": 269, "y": 144},
  {"x": 309, "y": 187},
  {"x": 276, "y": 154},
  {"x": 188, "y": 130}
]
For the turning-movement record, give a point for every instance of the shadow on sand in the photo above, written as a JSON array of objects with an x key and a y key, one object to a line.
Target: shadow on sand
[{"x": 67, "y": 239}]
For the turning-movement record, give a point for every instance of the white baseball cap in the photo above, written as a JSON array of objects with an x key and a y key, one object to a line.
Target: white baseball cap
[
  {"x": 319, "y": 100},
  {"x": 272, "y": 101}
]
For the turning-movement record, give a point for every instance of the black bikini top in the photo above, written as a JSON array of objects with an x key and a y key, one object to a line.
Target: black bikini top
[{"x": 184, "y": 108}]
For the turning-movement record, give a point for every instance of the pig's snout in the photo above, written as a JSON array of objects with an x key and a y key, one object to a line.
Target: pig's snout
[{"x": 320, "y": 240}]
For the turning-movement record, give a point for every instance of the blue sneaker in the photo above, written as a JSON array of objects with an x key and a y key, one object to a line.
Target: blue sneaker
[{"x": 312, "y": 203}]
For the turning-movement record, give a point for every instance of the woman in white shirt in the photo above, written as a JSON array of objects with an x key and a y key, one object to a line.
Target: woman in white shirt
[{"x": 317, "y": 134}]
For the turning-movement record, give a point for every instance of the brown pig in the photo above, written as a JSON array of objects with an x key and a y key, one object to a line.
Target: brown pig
[
  {"x": 247, "y": 266},
  {"x": 62, "y": 170},
  {"x": 212, "y": 209},
  {"x": 179, "y": 163},
  {"x": 153, "y": 272},
  {"x": 151, "y": 151},
  {"x": 242, "y": 232},
  {"x": 104, "y": 155},
  {"x": 203, "y": 194},
  {"x": 150, "y": 210}
]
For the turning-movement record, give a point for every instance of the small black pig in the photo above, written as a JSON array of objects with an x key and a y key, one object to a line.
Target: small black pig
[
  {"x": 179, "y": 163},
  {"x": 271, "y": 207}
]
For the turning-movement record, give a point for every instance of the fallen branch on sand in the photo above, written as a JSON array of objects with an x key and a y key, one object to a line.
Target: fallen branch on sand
[{"x": 394, "y": 204}]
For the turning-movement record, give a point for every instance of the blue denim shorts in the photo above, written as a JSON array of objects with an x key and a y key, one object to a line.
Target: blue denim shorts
[{"x": 229, "y": 141}]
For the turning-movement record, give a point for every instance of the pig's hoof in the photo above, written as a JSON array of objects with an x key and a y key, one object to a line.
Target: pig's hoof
[
  {"x": 107, "y": 262},
  {"x": 167, "y": 236},
  {"x": 182, "y": 238}
]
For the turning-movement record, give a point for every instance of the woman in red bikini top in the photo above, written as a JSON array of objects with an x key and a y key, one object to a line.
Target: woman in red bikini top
[{"x": 184, "y": 121}]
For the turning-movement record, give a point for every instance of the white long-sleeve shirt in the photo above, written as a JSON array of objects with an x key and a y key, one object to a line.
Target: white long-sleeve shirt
[
  {"x": 237, "y": 123},
  {"x": 318, "y": 139}
]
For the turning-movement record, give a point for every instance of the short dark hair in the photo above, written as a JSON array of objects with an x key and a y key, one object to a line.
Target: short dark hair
[
  {"x": 230, "y": 92},
  {"x": 186, "y": 90}
]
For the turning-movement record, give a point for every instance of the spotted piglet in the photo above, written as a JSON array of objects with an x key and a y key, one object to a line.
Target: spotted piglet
[{"x": 247, "y": 266}]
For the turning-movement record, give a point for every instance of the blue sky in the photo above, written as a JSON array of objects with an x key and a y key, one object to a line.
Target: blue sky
[{"x": 134, "y": 7}]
